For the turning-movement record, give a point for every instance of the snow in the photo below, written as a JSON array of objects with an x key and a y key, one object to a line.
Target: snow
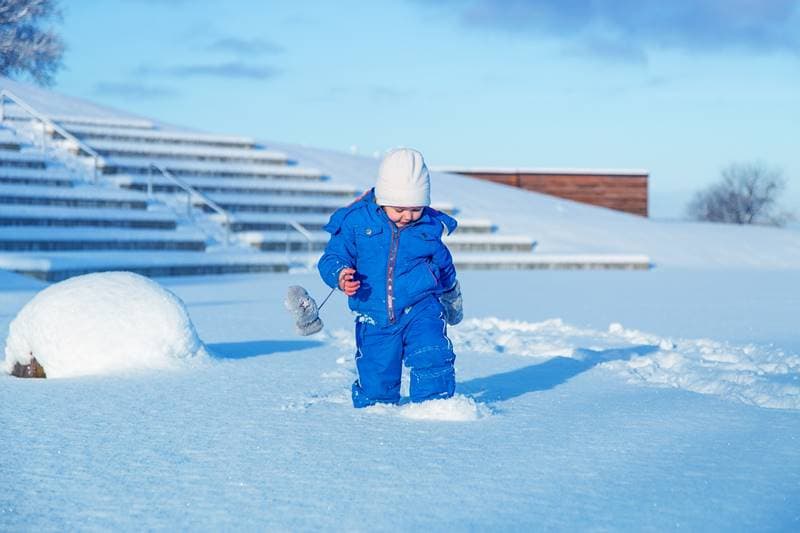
[
  {"x": 150, "y": 134},
  {"x": 88, "y": 234},
  {"x": 753, "y": 374},
  {"x": 248, "y": 183},
  {"x": 22, "y": 157},
  {"x": 102, "y": 323},
  {"x": 138, "y": 149},
  {"x": 80, "y": 191},
  {"x": 255, "y": 168},
  {"x": 558, "y": 422},
  {"x": 75, "y": 260},
  {"x": 153, "y": 213},
  {"x": 459, "y": 408}
]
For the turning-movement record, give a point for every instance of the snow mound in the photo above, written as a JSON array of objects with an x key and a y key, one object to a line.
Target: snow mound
[
  {"x": 759, "y": 375},
  {"x": 459, "y": 408},
  {"x": 102, "y": 323},
  {"x": 756, "y": 375}
]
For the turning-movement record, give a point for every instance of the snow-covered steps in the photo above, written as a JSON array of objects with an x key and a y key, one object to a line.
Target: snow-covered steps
[
  {"x": 294, "y": 241},
  {"x": 14, "y": 159},
  {"x": 489, "y": 243},
  {"x": 9, "y": 141},
  {"x": 179, "y": 167},
  {"x": 238, "y": 186},
  {"x": 475, "y": 225},
  {"x": 54, "y": 177},
  {"x": 91, "y": 133},
  {"x": 240, "y": 203},
  {"x": 273, "y": 221},
  {"x": 57, "y": 216},
  {"x": 534, "y": 261},
  {"x": 39, "y": 238},
  {"x": 281, "y": 240},
  {"x": 56, "y": 266},
  {"x": 275, "y": 203},
  {"x": 84, "y": 196},
  {"x": 68, "y": 121},
  {"x": 109, "y": 148},
  {"x": 312, "y": 222}
]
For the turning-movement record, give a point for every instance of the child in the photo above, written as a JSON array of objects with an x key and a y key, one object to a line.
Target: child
[{"x": 387, "y": 255}]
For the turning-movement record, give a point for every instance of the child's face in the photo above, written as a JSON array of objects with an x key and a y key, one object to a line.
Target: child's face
[{"x": 402, "y": 216}]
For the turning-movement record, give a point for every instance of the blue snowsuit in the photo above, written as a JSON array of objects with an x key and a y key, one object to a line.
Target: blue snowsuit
[{"x": 399, "y": 316}]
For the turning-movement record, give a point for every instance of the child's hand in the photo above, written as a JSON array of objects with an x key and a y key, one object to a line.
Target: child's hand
[{"x": 347, "y": 282}]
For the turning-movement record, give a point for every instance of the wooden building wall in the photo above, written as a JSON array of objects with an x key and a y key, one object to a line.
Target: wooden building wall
[{"x": 623, "y": 192}]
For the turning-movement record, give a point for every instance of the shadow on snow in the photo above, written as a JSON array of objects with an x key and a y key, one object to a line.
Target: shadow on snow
[
  {"x": 545, "y": 376},
  {"x": 245, "y": 349}
]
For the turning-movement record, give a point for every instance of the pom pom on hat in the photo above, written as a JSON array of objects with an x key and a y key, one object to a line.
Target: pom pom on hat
[{"x": 403, "y": 180}]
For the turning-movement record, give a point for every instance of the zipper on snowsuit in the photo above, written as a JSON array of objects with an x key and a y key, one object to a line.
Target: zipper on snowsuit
[{"x": 390, "y": 271}]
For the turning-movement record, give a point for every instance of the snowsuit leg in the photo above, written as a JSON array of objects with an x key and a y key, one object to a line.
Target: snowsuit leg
[
  {"x": 379, "y": 358},
  {"x": 419, "y": 337},
  {"x": 429, "y": 353}
]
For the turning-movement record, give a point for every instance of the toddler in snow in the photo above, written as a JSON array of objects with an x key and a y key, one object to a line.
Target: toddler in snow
[{"x": 386, "y": 254}]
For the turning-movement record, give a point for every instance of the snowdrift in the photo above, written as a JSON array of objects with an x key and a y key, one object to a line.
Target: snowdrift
[{"x": 102, "y": 323}]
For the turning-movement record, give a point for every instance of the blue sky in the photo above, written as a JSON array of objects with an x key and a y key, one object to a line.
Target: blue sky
[{"x": 681, "y": 88}]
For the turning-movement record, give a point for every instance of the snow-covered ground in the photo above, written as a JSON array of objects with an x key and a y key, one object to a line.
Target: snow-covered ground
[
  {"x": 592, "y": 400},
  {"x": 658, "y": 400}
]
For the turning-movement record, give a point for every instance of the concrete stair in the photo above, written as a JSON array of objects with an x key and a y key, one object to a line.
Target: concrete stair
[
  {"x": 35, "y": 177},
  {"x": 60, "y": 217},
  {"x": 56, "y": 266},
  {"x": 92, "y": 238},
  {"x": 293, "y": 241},
  {"x": 53, "y": 226},
  {"x": 256, "y": 186},
  {"x": 83, "y": 196},
  {"x": 185, "y": 151},
  {"x": 94, "y": 133},
  {"x": 216, "y": 169}
]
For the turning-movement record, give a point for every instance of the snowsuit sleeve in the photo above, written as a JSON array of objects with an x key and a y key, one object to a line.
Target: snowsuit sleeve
[
  {"x": 447, "y": 270},
  {"x": 340, "y": 252}
]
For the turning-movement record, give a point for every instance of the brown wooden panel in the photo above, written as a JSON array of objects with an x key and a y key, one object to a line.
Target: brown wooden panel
[{"x": 622, "y": 192}]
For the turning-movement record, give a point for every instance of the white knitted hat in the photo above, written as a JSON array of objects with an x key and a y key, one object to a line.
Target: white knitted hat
[{"x": 403, "y": 180}]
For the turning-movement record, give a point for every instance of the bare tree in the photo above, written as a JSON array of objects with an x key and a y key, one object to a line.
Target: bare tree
[
  {"x": 747, "y": 194},
  {"x": 26, "y": 46}
]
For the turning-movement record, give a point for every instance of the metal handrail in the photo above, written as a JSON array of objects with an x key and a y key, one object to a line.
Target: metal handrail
[
  {"x": 5, "y": 93},
  {"x": 190, "y": 192},
  {"x": 306, "y": 234}
]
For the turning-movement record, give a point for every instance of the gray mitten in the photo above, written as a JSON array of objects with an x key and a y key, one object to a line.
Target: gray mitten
[
  {"x": 304, "y": 309},
  {"x": 453, "y": 306}
]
